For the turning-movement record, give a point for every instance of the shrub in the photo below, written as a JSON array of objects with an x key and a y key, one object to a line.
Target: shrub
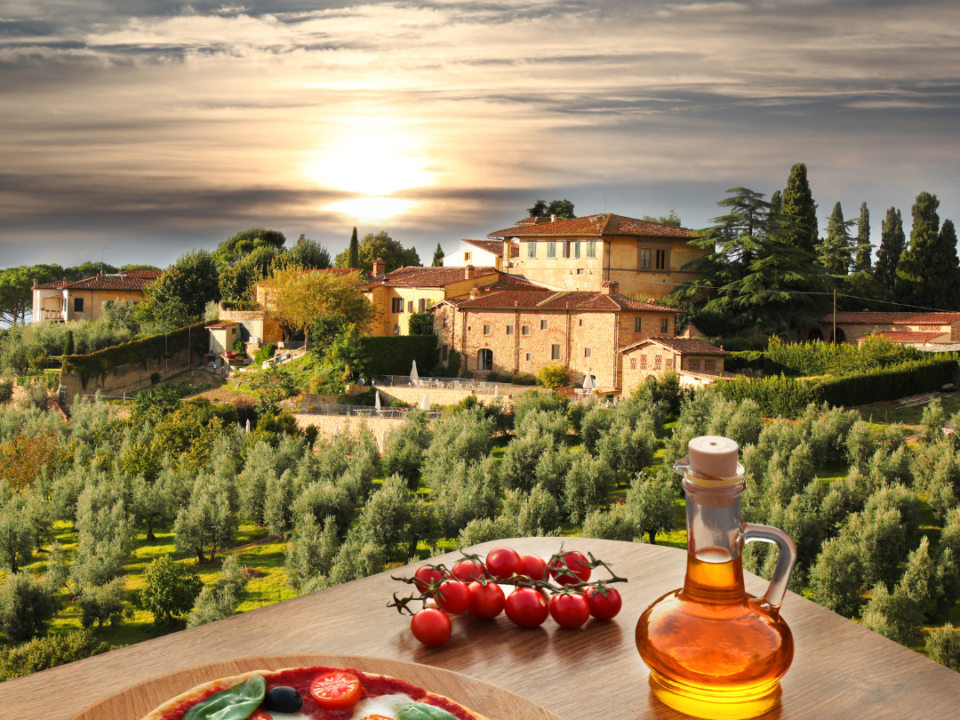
[
  {"x": 239, "y": 347},
  {"x": 169, "y": 589},
  {"x": 264, "y": 353},
  {"x": 612, "y": 524},
  {"x": 394, "y": 354},
  {"x": 943, "y": 645},
  {"x": 495, "y": 377},
  {"x": 744, "y": 360},
  {"x": 553, "y": 375},
  {"x": 421, "y": 323},
  {"x": 102, "y": 604},
  {"x": 45, "y": 653},
  {"x": 26, "y": 608},
  {"x": 453, "y": 364},
  {"x": 68, "y": 345},
  {"x": 6, "y": 390},
  {"x": 523, "y": 379}
]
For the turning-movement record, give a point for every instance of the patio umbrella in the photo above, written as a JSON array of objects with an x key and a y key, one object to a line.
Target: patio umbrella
[
  {"x": 496, "y": 391},
  {"x": 425, "y": 403},
  {"x": 336, "y": 431},
  {"x": 414, "y": 375},
  {"x": 588, "y": 382},
  {"x": 376, "y": 402},
  {"x": 248, "y": 424}
]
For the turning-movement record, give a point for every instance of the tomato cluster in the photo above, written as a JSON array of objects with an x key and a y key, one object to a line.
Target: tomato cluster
[{"x": 559, "y": 588}]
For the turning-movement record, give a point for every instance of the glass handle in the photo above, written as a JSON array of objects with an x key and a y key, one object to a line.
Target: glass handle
[{"x": 785, "y": 562}]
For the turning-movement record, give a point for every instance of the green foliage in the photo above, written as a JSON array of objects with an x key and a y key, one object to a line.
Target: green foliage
[
  {"x": 649, "y": 504},
  {"x": 308, "y": 254},
  {"x": 421, "y": 323},
  {"x": 453, "y": 364},
  {"x": 563, "y": 209},
  {"x": 22, "y": 346},
  {"x": 6, "y": 390},
  {"x": 928, "y": 273},
  {"x": 220, "y": 600},
  {"x": 862, "y": 250},
  {"x": 817, "y": 358},
  {"x": 26, "y": 608},
  {"x": 273, "y": 385},
  {"x": 353, "y": 253},
  {"x": 235, "y": 248},
  {"x": 437, "y": 256},
  {"x": 311, "y": 551},
  {"x": 671, "y": 219},
  {"x": 586, "y": 486},
  {"x": 181, "y": 293},
  {"x": 68, "y": 345},
  {"x": 406, "y": 445},
  {"x": 553, "y": 375},
  {"x": 264, "y": 353},
  {"x": 210, "y": 518},
  {"x": 44, "y": 653},
  {"x": 613, "y": 524},
  {"x": 835, "y": 251},
  {"x": 892, "y": 244},
  {"x": 394, "y": 354},
  {"x": 943, "y": 645},
  {"x": 102, "y": 604},
  {"x": 744, "y": 360},
  {"x": 798, "y": 202},
  {"x": 371, "y": 247},
  {"x": 169, "y": 589}
]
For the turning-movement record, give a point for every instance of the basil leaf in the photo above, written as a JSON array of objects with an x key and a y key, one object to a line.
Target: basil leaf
[
  {"x": 419, "y": 711},
  {"x": 236, "y": 703}
]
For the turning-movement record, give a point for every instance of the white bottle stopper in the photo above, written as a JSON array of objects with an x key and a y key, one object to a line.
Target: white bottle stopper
[{"x": 714, "y": 456}]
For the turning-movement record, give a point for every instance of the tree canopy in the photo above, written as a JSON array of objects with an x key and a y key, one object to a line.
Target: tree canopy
[
  {"x": 863, "y": 246},
  {"x": 182, "y": 292},
  {"x": 303, "y": 299},
  {"x": 892, "y": 244},
  {"x": 376, "y": 246},
  {"x": 437, "y": 256},
  {"x": 928, "y": 273},
  {"x": 671, "y": 219},
  {"x": 243, "y": 243},
  {"x": 835, "y": 251},
  {"x": 563, "y": 209},
  {"x": 798, "y": 203}
]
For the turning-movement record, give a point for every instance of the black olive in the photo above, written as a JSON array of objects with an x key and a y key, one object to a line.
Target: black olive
[{"x": 283, "y": 699}]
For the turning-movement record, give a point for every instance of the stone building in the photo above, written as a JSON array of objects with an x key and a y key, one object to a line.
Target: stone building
[
  {"x": 926, "y": 330},
  {"x": 646, "y": 258},
  {"x": 516, "y": 328},
  {"x": 698, "y": 363},
  {"x": 480, "y": 252},
  {"x": 64, "y": 300}
]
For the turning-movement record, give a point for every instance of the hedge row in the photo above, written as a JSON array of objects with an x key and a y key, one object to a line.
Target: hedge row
[
  {"x": 141, "y": 351},
  {"x": 394, "y": 354},
  {"x": 745, "y": 360},
  {"x": 788, "y": 396}
]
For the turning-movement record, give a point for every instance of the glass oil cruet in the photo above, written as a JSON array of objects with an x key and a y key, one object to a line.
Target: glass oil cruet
[{"x": 713, "y": 650}]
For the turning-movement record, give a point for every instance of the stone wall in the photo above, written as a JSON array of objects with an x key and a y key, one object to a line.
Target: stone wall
[
  {"x": 128, "y": 379},
  {"x": 443, "y": 396},
  {"x": 327, "y": 425}
]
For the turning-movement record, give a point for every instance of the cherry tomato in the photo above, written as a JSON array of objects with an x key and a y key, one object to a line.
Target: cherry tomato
[
  {"x": 455, "y": 597},
  {"x": 337, "y": 690},
  {"x": 260, "y": 716},
  {"x": 426, "y": 575},
  {"x": 467, "y": 570},
  {"x": 533, "y": 566},
  {"x": 569, "y": 610},
  {"x": 604, "y": 608},
  {"x": 577, "y": 570},
  {"x": 431, "y": 627},
  {"x": 526, "y": 607},
  {"x": 486, "y": 601},
  {"x": 503, "y": 563}
]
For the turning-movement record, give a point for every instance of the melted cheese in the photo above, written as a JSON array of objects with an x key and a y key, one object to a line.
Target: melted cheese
[{"x": 382, "y": 705}]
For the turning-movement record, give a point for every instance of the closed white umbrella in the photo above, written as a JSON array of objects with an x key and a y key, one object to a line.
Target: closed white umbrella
[
  {"x": 496, "y": 391},
  {"x": 376, "y": 402},
  {"x": 588, "y": 382},
  {"x": 414, "y": 375},
  {"x": 248, "y": 424},
  {"x": 425, "y": 403},
  {"x": 336, "y": 431}
]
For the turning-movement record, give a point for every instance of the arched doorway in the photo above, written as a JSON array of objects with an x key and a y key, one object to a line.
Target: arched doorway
[
  {"x": 485, "y": 359},
  {"x": 815, "y": 335},
  {"x": 840, "y": 338}
]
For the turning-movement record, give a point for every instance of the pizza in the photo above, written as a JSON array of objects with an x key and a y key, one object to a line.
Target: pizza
[{"x": 314, "y": 693}]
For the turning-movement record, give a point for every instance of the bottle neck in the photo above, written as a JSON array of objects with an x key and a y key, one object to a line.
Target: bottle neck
[{"x": 714, "y": 544}]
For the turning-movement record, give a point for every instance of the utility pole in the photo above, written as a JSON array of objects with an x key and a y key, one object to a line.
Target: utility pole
[{"x": 834, "y": 316}]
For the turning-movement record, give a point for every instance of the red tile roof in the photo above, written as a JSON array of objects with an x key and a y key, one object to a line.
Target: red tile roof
[
  {"x": 142, "y": 272},
  {"x": 538, "y": 299},
  {"x": 57, "y": 285},
  {"x": 425, "y": 277},
  {"x": 495, "y": 247},
  {"x": 687, "y": 346},
  {"x": 595, "y": 226},
  {"x": 216, "y": 326},
  {"x": 906, "y": 336},
  {"x": 895, "y": 318},
  {"x": 119, "y": 282},
  {"x": 510, "y": 282}
]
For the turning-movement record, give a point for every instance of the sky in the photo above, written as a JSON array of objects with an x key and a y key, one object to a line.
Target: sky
[{"x": 137, "y": 130}]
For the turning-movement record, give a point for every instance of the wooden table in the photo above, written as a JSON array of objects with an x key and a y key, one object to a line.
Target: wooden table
[{"x": 841, "y": 670}]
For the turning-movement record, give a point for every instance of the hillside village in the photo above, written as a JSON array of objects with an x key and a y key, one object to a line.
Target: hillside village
[{"x": 263, "y": 420}]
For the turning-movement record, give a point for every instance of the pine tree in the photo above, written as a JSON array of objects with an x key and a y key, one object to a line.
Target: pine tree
[
  {"x": 798, "y": 202},
  {"x": 836, "y": 248},
  {"x": 928, "y": 273},
  {"x": 438, "y": 256},
  {"x": 354, "y": 261},
  {"x": 862, "y": 261},
  {"x": 892, "y": 245},
  {"x": 776, "y": 203}
]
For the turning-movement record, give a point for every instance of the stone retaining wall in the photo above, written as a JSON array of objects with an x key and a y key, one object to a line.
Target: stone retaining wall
[
  {"x": 326, "y": 425},
  {"x": 128, "y": 379},
  {"x": 441, "y": 396}
]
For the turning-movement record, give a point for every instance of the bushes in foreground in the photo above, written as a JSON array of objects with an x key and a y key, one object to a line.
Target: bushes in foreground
[{"x": 45, "y": 653}]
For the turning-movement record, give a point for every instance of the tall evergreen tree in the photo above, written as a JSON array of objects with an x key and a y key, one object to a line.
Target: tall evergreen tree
[
  {"x": 776, "y": 203},
  {"x": 892, "y": 245},
  {"x": 928, "y": 274},
  {"x": 836, "y": 248},
  {"x": 354, "y": 261},
  {"x": 438, "y": 256},
  {"x": 798, "y": 201},
  {"x": 862, "y": 259}
]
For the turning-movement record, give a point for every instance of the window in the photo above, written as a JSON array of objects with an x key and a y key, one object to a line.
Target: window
[
  {"x": 565, "y": 248},
  {"x": 524, "y": 329},
  {"x": 551, "y": 249},
  {"x": 669, "y": 363},
  {"x": 396, "y": 306},
  {"x": 644, "y": 259},
  {"x": 591, "y": 248},
  {"x": 554, "y": 352},
  {"x": 509, "y": 329},
  {"x": 581, "y": 322},
  {"x": 531, "y": 249},
  {"x": 78, "y": 305},
  {"x": 633, "y": 363},
  {"x": 580, "y": 271},
  {"x": 657, "y": 362},
  {"x": 529, "y": 357},
  {"x": 664, "y": 325},
  {"x": 576, "y": 249},
  {"x": 661, "y": 259},
  {"x": 423, "y": 305},
  {"x": 709, "y": 366},
  {"x": 643, "y": 362},
  {"x": 543, "y": 324},
  {"x": 466, "y": 256},
  {"x": 444, "y": 323},
  {"x": 693, "y": 364},
  {"x": 410, "y": 306},
  {"x": 586, "y": 352},
  {"x": 445, "y": 353},
  {"x": 486, "y": 329},
  {"x": 485, "y": 360},
  {"x": 637, "y": 324}
]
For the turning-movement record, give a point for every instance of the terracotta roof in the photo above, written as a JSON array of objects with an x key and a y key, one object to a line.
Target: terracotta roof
[
  {"x": 510, "y": 282},
  {"x": 538, "y": 299},
  {"x": 111, "y": 282},
  {"x": 333, "y": 271},
  {"x": 425, "y": 277},
  {"x": 905, "y": 336},
  {"x": 533, "y": 221},
  {"x": 218, "y": 325},
  {"x": 689, "y": 346},
  {"x": 142, "y": 272},
  {"x": 895, "y": 318},
  {"x": 52, "y": 285},
  {"x": 595, "y": 226},
  {"x": 495, "y": 247}
]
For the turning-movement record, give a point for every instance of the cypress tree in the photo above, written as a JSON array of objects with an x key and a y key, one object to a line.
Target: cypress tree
[
  {"x": 862, "y": 262},
  {"x": 438, "y": 256},
  {"x": 835, "y": 250},
  {"x": 928, "y": 273},
  {"x": 68, "y": 345},
  {"x": 354, "y": 260},
  {"x": 776, "y": 203},
  {"x": 798, "y": 201},
  {"x": 892, "y": 243}
]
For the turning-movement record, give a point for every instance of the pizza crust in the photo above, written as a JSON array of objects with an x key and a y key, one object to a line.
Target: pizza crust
[{"x": 224, "y": 683}]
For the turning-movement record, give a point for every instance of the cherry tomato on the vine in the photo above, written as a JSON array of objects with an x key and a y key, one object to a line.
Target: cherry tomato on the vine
[
  {"x": 454, "y": 597},
  {"x": 604, "y": 601},
  {"x": 526, "y": 607},
  {"x": 337, "y": 690},
  {"x": 431, "y": 627},
  {"x": 570, "y": 610},
  {"x": 467, "y": 570},
  {"x": 486, "y": 601},
  {"x": 577, "y": 569},
  {"x": 426, "y": 575},
  {"x": 503, "y": 563},
  {"x": 533, "y": 566}
]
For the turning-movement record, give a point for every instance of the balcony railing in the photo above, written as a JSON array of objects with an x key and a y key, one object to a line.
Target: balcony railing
[
  {"x": 428, "y": 383},
  {"x": 360, "y": 411}
]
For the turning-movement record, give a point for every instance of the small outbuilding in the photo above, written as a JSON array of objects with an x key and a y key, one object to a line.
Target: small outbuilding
[
  {"x": 223, "y": 336},
  {"x": 698, "y": 363}
]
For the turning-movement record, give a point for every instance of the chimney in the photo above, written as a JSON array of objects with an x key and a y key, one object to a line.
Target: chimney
[
  {"x": 609, "y": 287},
  {"x": 507, "y": 252},
  {"x": 553, "y": 218},
  {"x": 474, "y": 293},
  {"x": 469, "y": 272},
  {"x": 379, "y": 267},
  {"x": 652, "y": 301}
]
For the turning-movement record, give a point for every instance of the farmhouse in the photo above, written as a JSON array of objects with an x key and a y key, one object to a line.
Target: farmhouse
[
  {"x": 698, "y": 363},
  {"x": 62, "y": 301},
  {"x": 927, "y": 331},
  {"x": 481, "y": 252}
]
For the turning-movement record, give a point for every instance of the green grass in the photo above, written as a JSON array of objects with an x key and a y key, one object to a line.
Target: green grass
[{"x": 888, "y": 414}]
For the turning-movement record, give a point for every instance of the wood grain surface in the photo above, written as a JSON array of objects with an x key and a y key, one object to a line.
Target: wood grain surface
[
  {"x": 136, "y": 701},
  {"x": 841, "y": 670}
]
